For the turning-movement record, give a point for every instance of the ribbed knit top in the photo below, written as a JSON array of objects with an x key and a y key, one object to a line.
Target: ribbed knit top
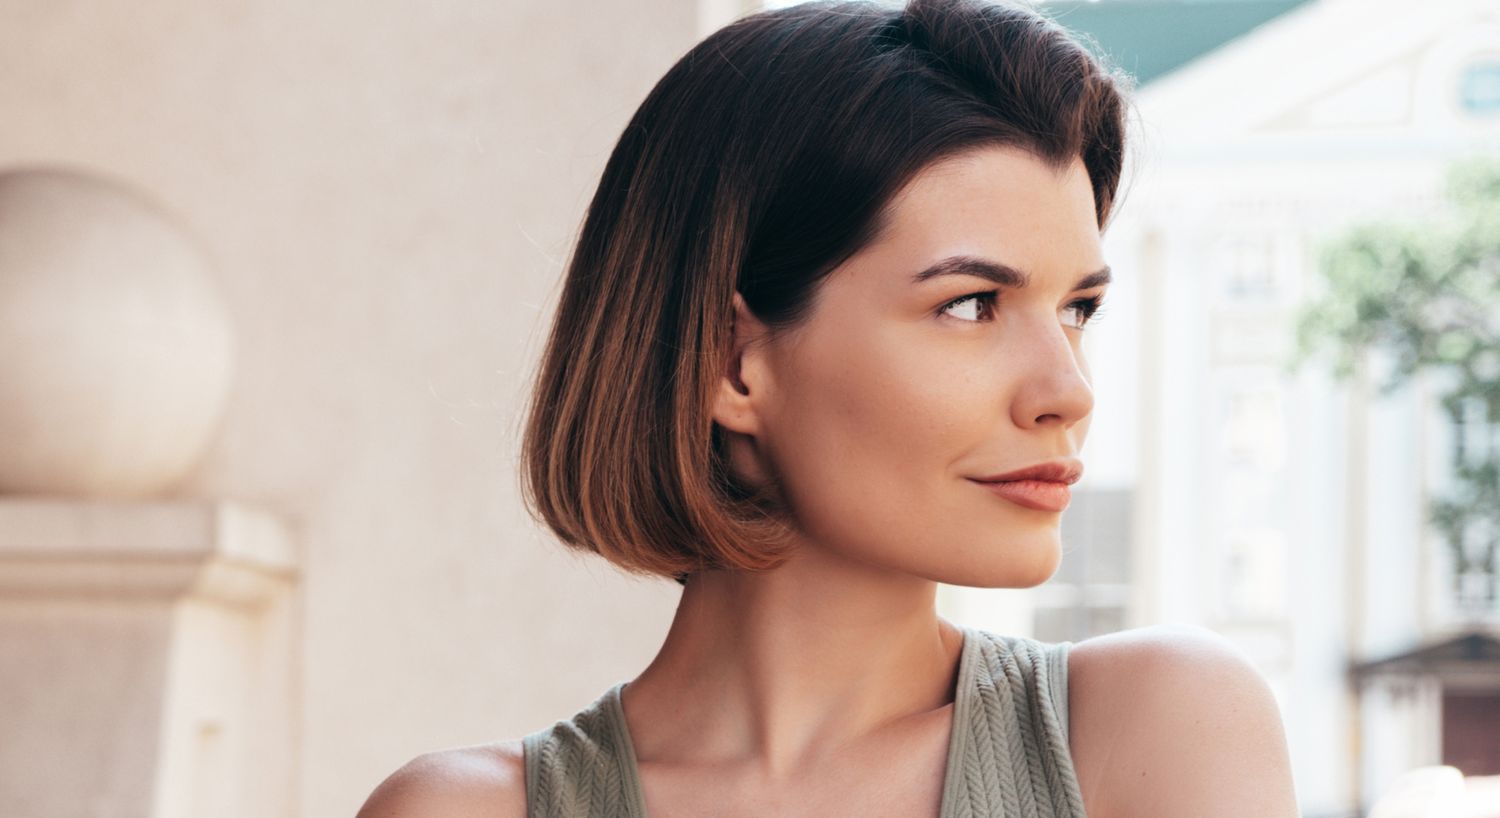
[{"x": 1007, "y": 757}]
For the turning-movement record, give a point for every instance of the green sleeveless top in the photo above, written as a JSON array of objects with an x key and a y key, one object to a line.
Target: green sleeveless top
[{"x": 1008, "y": 751}]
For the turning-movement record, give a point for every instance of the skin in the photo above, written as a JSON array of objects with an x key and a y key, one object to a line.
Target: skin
[
  {"x": 871, "y": 416},
  {"x": 792, "y": 691}
]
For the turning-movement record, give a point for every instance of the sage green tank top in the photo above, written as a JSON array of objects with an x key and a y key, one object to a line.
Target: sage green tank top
[{"x": 1007, "y": 757}]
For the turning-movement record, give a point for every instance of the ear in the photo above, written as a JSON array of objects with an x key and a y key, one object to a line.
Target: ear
[{"x": 744, "y": 382}]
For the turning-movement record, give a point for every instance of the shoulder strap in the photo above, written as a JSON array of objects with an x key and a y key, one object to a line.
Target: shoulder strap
[
  {"x": 575, "y": 768},
  {"x": 1016, "y": 760}
]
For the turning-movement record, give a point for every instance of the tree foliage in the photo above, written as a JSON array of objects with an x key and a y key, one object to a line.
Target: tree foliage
[{"x": 1428, "y": 292}]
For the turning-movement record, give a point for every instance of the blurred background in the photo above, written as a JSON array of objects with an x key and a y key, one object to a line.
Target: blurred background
[{"x": 274, "y": 276}]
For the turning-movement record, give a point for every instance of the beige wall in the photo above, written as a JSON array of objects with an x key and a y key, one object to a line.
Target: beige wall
[{"x": 388, "y": 191}]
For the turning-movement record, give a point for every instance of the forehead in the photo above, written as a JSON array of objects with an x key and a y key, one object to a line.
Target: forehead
[{"x": 1000, "y": 203}]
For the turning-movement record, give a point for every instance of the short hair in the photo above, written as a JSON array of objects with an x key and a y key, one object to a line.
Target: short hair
[{"x": 762, "y": 160}]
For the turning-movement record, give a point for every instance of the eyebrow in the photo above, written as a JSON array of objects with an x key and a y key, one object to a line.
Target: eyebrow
[{"x": 1002, "y": 274}]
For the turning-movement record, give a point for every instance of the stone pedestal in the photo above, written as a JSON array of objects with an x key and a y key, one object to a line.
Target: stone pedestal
[{"x": 146, "y": 660}]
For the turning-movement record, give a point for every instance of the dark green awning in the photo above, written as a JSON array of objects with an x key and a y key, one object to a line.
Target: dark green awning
[{"x": 1149, "y": 38}]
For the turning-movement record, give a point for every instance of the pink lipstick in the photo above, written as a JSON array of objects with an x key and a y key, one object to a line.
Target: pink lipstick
[
  {"x": 1042, "y": 495},
  {"x": 1043, "y": 486}
]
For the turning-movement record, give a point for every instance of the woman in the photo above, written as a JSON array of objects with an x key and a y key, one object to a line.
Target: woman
[{"x": 819, "y": 349}]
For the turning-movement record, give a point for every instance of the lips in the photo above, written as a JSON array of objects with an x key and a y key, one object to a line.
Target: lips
[
  {"x": 1043, "y": 486},
  {"x": 1041, "y": 495},
  {"x": 1062, "y": 470}
]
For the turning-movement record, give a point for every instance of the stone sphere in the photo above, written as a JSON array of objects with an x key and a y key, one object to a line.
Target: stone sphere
[{"x": 116, "y": 350}]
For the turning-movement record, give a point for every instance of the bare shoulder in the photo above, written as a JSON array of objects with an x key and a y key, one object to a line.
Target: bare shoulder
[
  {"x": 1173, "y": 720},
  {"x": 486, "y": 780}
]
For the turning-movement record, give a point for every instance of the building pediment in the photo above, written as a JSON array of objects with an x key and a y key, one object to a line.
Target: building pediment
[{"x": 1459, "y": 654}]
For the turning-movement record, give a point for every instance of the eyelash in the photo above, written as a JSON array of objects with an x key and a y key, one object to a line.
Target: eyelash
[{"x": 1092, "y": 306}]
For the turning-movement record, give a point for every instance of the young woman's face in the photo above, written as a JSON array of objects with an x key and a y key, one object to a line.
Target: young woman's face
[{"x": 877, "y": 414}]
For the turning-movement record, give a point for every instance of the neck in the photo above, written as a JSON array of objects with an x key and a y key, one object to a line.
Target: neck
[{"x": 774, "y": 670}]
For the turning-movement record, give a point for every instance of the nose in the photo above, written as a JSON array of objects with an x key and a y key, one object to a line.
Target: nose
[{"x": 1054, "y": 383}]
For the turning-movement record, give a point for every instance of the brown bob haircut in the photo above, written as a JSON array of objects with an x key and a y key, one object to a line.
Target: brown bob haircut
[{"x": 759, "y": 163}]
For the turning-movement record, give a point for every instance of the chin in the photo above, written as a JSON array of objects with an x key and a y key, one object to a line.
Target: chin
[{"x": 1022, "y": 568}]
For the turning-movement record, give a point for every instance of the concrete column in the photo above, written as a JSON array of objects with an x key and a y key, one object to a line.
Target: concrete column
[{"x": 146, "y": 660}]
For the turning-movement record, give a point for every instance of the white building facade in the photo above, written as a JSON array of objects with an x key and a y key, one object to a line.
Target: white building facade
[{"x": 1278, "y": 507}]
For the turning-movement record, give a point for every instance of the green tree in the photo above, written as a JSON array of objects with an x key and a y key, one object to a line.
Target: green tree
[{"x": 1428, "y": 291}]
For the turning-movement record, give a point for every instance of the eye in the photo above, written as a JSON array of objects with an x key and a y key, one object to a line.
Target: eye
[
  {"x": 972, "y": 305},
  {"x": 980, "y": 307},
  {"x": 1089, "y": 307}
]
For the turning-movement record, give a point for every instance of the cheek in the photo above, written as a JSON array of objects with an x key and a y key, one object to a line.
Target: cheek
[{"x": 869, "y": 441}]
